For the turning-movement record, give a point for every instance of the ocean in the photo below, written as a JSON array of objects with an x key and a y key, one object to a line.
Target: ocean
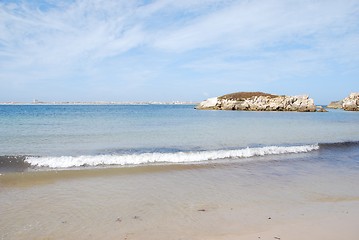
[
  {"x": 47, "y": 136},
  {"x": 170, "y": 171}
]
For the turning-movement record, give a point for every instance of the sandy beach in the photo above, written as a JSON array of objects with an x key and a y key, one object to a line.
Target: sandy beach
[
  {"x": 257, "y": 200},
  {"x": 336, "y": 223}
]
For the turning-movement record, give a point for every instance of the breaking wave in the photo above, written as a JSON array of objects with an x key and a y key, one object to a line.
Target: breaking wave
[{"x": 157, "y": 157}]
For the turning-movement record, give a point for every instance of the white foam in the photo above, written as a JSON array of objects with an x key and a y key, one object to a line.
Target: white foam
[{"x": 178, "y": 157}]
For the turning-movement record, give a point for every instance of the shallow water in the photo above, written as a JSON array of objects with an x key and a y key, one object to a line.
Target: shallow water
[{"x": 178, "y": 201}]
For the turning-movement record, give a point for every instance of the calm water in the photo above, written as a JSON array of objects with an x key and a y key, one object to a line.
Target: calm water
[{"x": 66, "y": 136}]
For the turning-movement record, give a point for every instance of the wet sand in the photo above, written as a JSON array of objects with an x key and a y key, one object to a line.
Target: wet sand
[{"x": 287, "y": 199}]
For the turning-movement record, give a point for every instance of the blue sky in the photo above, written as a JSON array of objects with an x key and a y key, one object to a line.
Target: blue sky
[{"x": 164, "y": 50}]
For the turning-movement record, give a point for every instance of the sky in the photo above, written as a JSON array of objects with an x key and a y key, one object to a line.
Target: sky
[{"x": 167, "y": 50}]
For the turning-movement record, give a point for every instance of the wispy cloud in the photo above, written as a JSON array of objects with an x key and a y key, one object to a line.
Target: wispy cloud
[
  {"x": 257, "y": 24},
  {"x": 153, "y": 43}
]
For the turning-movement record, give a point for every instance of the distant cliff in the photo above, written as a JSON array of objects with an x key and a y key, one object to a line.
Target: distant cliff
[{"x": 259, "y": 101}]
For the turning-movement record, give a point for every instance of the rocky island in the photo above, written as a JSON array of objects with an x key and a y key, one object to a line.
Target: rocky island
[
  {"x": 335, "y": 104},
  {"x": 350, "y": 103},
  {"x": 259, "y": 101}
]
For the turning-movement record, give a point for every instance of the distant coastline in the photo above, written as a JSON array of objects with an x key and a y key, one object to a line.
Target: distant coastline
[{"x": 99, "y": 103}]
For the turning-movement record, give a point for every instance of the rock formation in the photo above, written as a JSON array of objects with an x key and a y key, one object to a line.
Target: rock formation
[
  {"x": 336, "y": 104},
  {"x": 258, "y": 101},
  {"x": 351, "y": 103},
  {"x": 321, "y": 109}
]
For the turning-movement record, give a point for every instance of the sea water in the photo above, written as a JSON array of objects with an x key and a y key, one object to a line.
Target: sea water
[
  {"x": 65, "y": 136},
  {"x": 173, "y": 172}
]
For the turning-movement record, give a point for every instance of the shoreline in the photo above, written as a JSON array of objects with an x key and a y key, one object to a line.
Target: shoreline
[
  {"x": 311, "y": 195},
  {"x": 33, "y": 178},
  {"x": 199, "y": 202},
  {"x": 234, "y": 201}
]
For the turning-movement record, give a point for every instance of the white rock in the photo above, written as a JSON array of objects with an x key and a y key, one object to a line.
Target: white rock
[
  {"x": 210, "y": 103},
  {"x": 351, "y": 103},
  {"x": 300, "y": 103}
]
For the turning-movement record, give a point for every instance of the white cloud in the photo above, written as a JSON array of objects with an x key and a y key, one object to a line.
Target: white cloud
[
  {"x": 78, "y": 32},
  {"x": 270, "y": 40},
  {"x": 254, "y": 24},
  {"x": 150, "y": 41}
]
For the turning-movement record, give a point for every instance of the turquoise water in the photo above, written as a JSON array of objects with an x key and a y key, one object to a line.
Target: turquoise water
[{"x": 102, "y": 133}]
